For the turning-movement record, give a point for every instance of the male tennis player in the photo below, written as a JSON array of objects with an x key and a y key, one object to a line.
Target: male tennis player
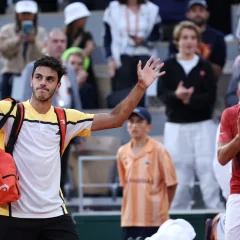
[
  {"x": 229, "y": 149},
  {"x": 41, "y": 214}
]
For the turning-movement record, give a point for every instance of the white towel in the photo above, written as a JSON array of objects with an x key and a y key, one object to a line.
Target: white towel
[{"x": 178, "y": 229}]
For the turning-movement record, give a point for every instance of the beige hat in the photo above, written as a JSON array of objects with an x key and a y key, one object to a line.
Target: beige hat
[
  {"x": 26, "y": 7},
  {"x": 75, "y": 11}
]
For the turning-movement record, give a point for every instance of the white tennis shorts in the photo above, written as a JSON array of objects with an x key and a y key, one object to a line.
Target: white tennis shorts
[{"x": 232, "y": 227}]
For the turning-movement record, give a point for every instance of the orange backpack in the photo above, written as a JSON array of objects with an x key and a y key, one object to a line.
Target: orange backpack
[{"x": 9, "y": 184}]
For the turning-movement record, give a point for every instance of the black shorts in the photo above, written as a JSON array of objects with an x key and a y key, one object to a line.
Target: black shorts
[
  {"x": 57, "y": 228},
  {"x": 138, "y": 233}
]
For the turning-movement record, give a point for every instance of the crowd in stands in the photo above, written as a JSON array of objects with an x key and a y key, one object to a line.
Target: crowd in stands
[
  {"x": 132, "y": 30},
  {"x": 197, "y": 55}
]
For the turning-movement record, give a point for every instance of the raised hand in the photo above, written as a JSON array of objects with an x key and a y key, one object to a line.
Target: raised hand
[{"x": 149, "y": 73}]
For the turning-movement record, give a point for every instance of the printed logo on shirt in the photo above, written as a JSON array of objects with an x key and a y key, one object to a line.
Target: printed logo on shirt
[
  {"x": 202, "y": 73},
  {"x": 58, "y": 132},
  {"x": 140, "y": 180}
]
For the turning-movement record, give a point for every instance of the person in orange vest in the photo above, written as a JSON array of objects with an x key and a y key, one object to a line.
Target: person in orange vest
[{"x": 148, "y": 178}]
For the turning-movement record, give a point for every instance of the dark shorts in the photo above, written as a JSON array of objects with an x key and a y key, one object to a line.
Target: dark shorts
[
  {"x": 138, "y": 233},
  {"x": 58, "y": 228}
]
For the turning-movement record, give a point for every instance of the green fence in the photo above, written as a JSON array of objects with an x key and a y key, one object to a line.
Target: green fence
[{"x": 93, "y": 226}]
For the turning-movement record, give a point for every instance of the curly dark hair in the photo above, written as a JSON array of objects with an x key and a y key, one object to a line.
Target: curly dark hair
[{"x": 52, "y": 63}]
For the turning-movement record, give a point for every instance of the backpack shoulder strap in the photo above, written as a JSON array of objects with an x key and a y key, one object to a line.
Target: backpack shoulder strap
[
  {"x": 6, "y": 116},
  {"x": 61, "y": 117},
  {"x": 17, "y": 124}
]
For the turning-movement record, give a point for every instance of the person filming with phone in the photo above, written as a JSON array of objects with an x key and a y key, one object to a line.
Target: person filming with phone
[{"x": 20, "y": 43}]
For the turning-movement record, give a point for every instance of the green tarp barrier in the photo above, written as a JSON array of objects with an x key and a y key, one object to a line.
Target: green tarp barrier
[{"x": 107, "y": 227}]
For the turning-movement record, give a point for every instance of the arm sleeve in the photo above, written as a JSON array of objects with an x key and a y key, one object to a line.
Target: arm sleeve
[
  {"x": 168, "y": 168},
  {"x": 231, "y": 96},
  {"x": 9, "y": 45},
  {"x": 78, "y": 124},
  {"x": 208, "y": 96},
  {"x": 121, "y": 170},
  {"x": 225, "y": 134},
  {"x": 165, "y": 93},
  {"x": 5, "y": 107}
]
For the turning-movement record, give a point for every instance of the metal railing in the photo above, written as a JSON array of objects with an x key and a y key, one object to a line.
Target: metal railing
[
  {"x": 81, "y": 183},
  {"x": 112, "y": 186}
]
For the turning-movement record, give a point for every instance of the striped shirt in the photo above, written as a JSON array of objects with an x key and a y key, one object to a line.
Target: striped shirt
[
  {"x": 145, "y": 178},
  {"x": 37, "y": 157}
]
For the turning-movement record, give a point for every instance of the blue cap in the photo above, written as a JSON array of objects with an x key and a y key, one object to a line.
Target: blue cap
[
  {"x": 203, "y": 3},
  {"x": 142, "y": 113}
]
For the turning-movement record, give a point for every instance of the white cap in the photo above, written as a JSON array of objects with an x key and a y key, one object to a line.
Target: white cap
[
  {"x": 26, "y": 6},
  {"x": 174, "y": 230},
  {"x": 75, "y": 11}
]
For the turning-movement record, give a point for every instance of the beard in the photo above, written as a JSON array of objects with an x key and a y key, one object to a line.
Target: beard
[
  {"x": 200, "y": 22},
  {"x": 41, "y": 98}
]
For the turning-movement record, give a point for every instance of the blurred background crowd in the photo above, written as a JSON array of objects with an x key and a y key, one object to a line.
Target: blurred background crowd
[{"x": 101, "y": 42}]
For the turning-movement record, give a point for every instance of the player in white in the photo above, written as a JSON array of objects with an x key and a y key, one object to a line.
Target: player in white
[{"x": 41, "y": 214}]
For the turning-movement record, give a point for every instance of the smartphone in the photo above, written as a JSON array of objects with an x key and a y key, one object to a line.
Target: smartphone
[{"x": 27, "y": 27}]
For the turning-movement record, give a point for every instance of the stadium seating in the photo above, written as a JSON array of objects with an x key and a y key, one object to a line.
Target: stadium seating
[{"x": 96, "y": 171}]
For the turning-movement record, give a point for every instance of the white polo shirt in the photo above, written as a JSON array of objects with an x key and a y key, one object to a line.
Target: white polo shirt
[{"x": 37, "y": 157}]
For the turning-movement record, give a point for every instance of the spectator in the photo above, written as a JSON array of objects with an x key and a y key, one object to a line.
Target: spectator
[
  {"x": 75, "y": 58},
  {"x": 75, "y": 15},
  {"x": 212, "y": 47},
  {"x": 20, "y": 43},
  {"x": 129, "y": 40},
  {"x": 189, "y": 92},
  {"x": 67, "y": 96},
  {"x": 148, "y": 179},
  {"x": 172, "y": 12}
]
